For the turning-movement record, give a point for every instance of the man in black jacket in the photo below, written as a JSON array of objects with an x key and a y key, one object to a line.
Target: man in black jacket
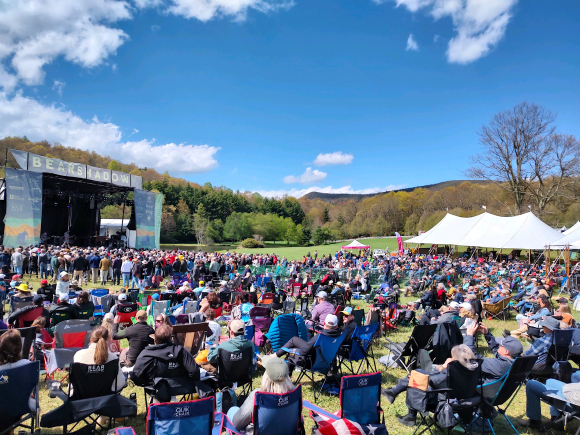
[
  {"x": 79, "y": 268},
  {"x": 37, "y": 302},
  {"x": 138, "y": 336},
  {"x": 164, "y": 365}
]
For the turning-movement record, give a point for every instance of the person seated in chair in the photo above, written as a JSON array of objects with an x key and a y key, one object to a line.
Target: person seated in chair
[
  {"x": 47, "y": 291},
  {"x": 321, "y": 310},
  {"x": 306, "y": 348},
  {"x": 138, "y": 336},
  {"x": 531, "y": 319},
  {"x": 275, "y": 380},
  {"x": 121, "y": 301},
  {"x": 236, "y": 343},
  {"x": 437, "y": 379},
  {"x": 541, "y": 345},
  {"x": 98, "y": 353},
  {"x": 172, "y": 360},
  {"x": 84, "y": 307},
  {"x": 348, "y": 325},
  {"x": 62, "y": 307},
  {"x": 37, "y": 302}
]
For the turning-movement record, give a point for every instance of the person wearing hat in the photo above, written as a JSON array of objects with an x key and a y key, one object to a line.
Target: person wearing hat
[
  {"x": 505, "y": 351},
  {"x": 61, "y": 311},
  {"x": 181, "y": 364},
  {"x": 121, "y": 300},
  {"x": 236, "y": 343},
  {"x": 224, "y": 287},
  {"x": 37, "y": 302},
  {"x": 541, "y": 345},
  {"x": 321, "y": 310},
  {"x": 23, "y": 291},
  {"x": 305, "y": 348},
  {"x": 138, "y": 336},
  {"x": 276, "y": 379},
  {"x": 448, "y": 314},
  {"x": 348, "y": 325}
]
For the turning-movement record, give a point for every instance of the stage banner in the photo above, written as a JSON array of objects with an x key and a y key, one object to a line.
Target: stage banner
[
  {"x": 158, "y": 211},
  {"x": 36, "y": 163},
  {"x": 98, "y": 174},
  {"x": 23, "y": 208},
  {"x": 145, "y": 219},
  {"x": 120, "y": 178},
  {"x": 136, "y": 182}
]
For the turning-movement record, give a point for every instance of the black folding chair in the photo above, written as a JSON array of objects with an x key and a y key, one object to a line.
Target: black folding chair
[
  {"x": 421, "y": 338},
  {"x": 506, "y": 388},
  {"x": 559, "y": 351},
  {"x": 28, "y": 336},
  {"x": 236, "y": 368},
  {"x": 17, "y": 386},
  {"x": 90, "y": 395}
]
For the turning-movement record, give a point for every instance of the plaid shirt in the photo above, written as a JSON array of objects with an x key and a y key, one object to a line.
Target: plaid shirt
[{"x": 540, "y": 347}]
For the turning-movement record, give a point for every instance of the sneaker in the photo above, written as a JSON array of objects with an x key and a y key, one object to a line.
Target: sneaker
[
  {"x": 389, "y": 395},
  {"x": 506, "y": 333},
  {"x": 408, "y": 420},
  {"x": 533, "y": 424}
]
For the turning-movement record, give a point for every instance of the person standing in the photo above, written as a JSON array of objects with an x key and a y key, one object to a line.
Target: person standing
[
  {"x": 137, "y": 272},
  {"x": 78, "y": 268},
  {"x": 17, "y": 261},
  {"x": 117, "y": 262},
  {"x": 104, "y": 266},
  {"x": 126, "y": 267},
  {"x": 94, "y": 262},
  {"x": 54, "y": 266}
]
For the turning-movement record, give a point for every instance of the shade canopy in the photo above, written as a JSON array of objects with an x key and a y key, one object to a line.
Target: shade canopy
[
  {"x": 574, "y": 227},
  {"x": 355, "y": 244},
  {"x": 570, "y": 238},
  {"x": 486, "y": 230}
]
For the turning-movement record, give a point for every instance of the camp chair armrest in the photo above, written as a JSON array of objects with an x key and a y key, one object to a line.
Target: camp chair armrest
[
  {"x": 292, "y": 351},
  {"x": 318, "y": 410},
  {"x": 55, "y": 389}
]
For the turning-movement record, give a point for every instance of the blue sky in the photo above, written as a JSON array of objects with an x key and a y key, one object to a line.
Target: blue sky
[{"x": 248, "y": 93}]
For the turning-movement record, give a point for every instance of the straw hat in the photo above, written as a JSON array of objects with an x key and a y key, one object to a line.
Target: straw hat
[{"x": 23, "y": 288}]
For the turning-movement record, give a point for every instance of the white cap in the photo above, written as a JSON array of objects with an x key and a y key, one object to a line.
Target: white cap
[
  {"x": 453, "y": 304},
  {"x": 63, "y": 296},
  {"x": 63, "y": 273},
  {"x": 466, "y": 305},
  {"x": 331, "y": 320},
  {"x": 122, "y": 297},
  {"x": 223, "y": 283},
  {"x": 322, "y": 294}
]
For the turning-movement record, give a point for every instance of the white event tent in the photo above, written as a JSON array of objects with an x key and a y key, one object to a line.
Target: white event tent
[
  {"x": 355, "y": 244},
  {"x": 575, "y": 227},
  {"x": 486, "y": 230},
  {"x": 571, "y": 239}
]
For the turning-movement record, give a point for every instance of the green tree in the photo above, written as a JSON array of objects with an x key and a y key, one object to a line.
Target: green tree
[
  {"x": 237, "y": 227},
  {"x": 305, "y": 235},
  {"x": 114, "y": 165},
  {"x": 321, "y": 235},
  {"x": 325, "y": 215},
  {"x": 215, "y": 230}
]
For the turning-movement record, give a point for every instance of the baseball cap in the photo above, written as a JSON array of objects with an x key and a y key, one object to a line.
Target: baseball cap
[
  {"x": 37, "y": 299},
  {"x": 141, "y": 314},
  {"x": 331, "y": 320},
  {"x": 466, "y": 305},
  {"x": 63, "y": 273},
  {"x": 347, "y": 311},
  {"x": 201, "y": 283},
  {"x": 322, "y": 294},
  {"x": 122, "y": 297},
  {"x": 237, "y": 326},
  {"x": 453, "y": 304},
  {"x": 63, "y": 296},
  {"x": 512, "y": 345},
  {"x": 562, "y": 300},
  {"x": 44, "y": 281},
  {"x": 223, "y": 283},
  {"x": 155, "y": 296},
  {"x": 276, "y": 368}
]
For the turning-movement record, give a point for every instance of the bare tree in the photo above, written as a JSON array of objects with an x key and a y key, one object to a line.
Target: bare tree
[
  {"x": 509, "y": 141},
  {"x": 555, "y": 160}
]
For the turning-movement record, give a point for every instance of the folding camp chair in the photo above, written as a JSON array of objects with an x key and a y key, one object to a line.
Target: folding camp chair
[
  {"x": 259, "y": 312},
  {"x": 566, "y": 410},
  {"x": 171, "y": 379},
  {"x": 360, "y": 349},
  {"x": 16, "y": 303},
  {"x": 125, "y": 312},
  {"x": 288, "y": 307},
  {"x": 267, "y": 298},
  {"x": 321, "y": 362},
  {"x": 462, "y": 394},
  {"x": 302, "y": 304},
  {"x": 497, "y": 310},
  {"x": 30, "y": 316},
  {"x": 91, "y": 393},
  {"x": 421, "y": 338},
  {"x": 359, "y": 316},
  {"x": 191, "y": 336},
  {"x": 184, "y": 418},
  {"x": 69, "y": 337},
  {"x": 28, "y": 335},
  {"x": 506, "y": 388},
  {"x": 17, "y": 387},
  {"x": 159, "y": 307},
  {"x": 283, "y": 328},
  {"x": 559, "y": 351},
  {"x": 236, "y": 368},
  {"x": 360, "y": 403}
]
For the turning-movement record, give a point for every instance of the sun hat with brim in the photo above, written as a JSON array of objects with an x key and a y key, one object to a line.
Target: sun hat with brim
[
  {"x": 276, "y": 368},
  {"x": 23, "y": 288},
  {"x": 572, "y": 393},
  {"x": 551, "y": 323}
]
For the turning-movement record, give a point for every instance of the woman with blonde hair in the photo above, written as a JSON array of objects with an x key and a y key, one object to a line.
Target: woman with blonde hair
[
  {"x": 275, "y": 380},
  {"x": 98, "y": 353}
]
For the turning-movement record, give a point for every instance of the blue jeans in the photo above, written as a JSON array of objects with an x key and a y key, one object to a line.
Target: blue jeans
[
  {"x": 18, "y": 270},
  {"x": 534, "y": 390},
  {"x": 126, "y": 279},
  {"x": 136, "y": 281},
  {"x": 158, "y": 271},
  {"x": 43, "y": 271}
]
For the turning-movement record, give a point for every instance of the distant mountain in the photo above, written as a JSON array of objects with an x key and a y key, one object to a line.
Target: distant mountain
[{"x": 334, "y": 198}]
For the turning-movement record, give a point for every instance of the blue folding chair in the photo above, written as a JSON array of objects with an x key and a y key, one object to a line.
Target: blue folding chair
[
  {"x": 360, "y": 402},
  {"x": 360, "y": 349},
  {"x": 325, "y": 351},
  {"x": 195, "y": 417},
  {"x": 16, "y": 387}
]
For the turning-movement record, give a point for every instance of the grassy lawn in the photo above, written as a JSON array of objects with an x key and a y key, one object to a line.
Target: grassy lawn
[
  {"x": 390, "y": 377},
  {"x": 292, "y": 252}
]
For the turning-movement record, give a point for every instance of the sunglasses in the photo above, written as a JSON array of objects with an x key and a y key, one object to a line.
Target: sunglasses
[{"x": 158, "y": 321}]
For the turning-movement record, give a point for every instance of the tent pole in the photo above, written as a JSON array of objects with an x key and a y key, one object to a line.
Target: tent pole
[
  {"x": 548, "y": 260},
  {"x": 567, "y": 260}
]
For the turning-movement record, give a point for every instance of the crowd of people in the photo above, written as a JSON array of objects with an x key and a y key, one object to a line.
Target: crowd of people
[{"x": 442, "y": 289}]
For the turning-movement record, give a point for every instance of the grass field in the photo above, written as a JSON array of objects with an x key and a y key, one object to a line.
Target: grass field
[
  {"x": 389, "y": 376},
  {"x": 291, "y": 252}
]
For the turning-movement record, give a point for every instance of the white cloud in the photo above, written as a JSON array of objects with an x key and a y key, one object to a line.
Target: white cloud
[
  {"x": 480, "y": 24},
  {"x": 206, "y": 10},
  {"x": 297, "y": 193},
  {"x": 24, "y": 116},
  {"x": 436, "y": 38},
  {"x": 58, "y": 86},
  {"x": 336, "y": 158},
  {"x": 412, "y": 44},
  {"x": 309, "y": 176},
  {"x": 35, "y": 32},
  {"x": 155, "y": 28}
]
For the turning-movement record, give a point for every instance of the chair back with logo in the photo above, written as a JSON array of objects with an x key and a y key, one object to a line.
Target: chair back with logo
[
  {"x": 235, "y": 367},
  {"x": 16, "y": 303},
  {"x": 267, "y": 298},
  {"x": 72, "y": 334},
  {"x": 270, "y": 409},
  {"x": 259, "y": 312},
  {"x": 360, "y": 398},
  {"x": 181, "y": 418},
  {"x": 17, "y": 385},
  {"x": 92, "y": 380},
  {"x": 361, "y": 339},
  {"x": 326, "y": 349},
  {"x": 125, "y": 312},
  {"x": 296, "y": 289},
  {"x": 85, "y": 313},
  {"x": 30, "y": 316}
]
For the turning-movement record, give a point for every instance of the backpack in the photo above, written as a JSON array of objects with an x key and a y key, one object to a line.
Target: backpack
[{"x": 224, "y": 400}]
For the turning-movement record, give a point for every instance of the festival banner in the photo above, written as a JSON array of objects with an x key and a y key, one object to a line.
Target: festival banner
[
  {"x": 158, "y": 212},
  {"x": 98, "y": 174},
  {"x": 400, "y": 242},
  {"x": 36, "y": 163},
  {"x": 23, "y": 208},
  {"x": 136, "y": 182},
  {"x": 145, "y": 219},
  {"x": 120, "y": 178}
]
